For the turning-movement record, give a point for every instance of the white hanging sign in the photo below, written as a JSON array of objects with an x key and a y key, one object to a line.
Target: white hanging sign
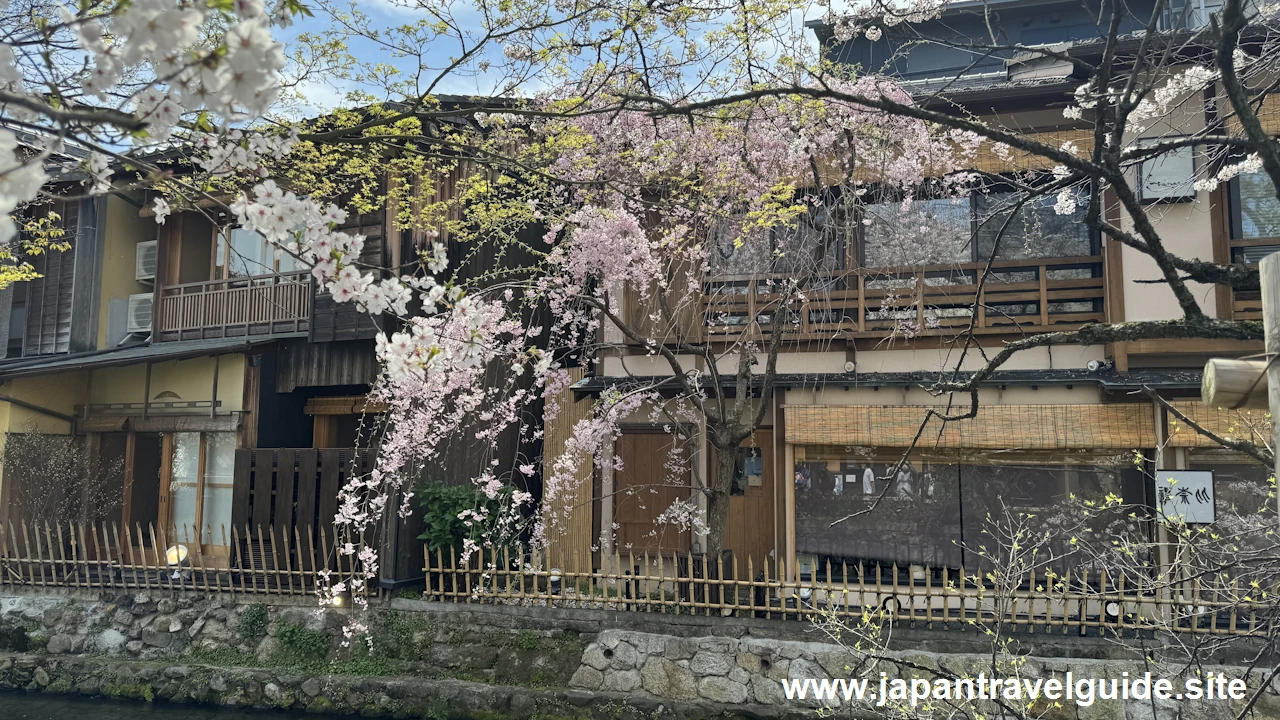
[{"x": 1185, "y": 495}]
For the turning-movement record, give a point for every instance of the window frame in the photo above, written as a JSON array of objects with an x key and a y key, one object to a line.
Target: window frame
[
  {"x": 222, "y": 243},
  {"x": 1095, "y": 238},
  {"x": 1236, "y": 241},
  {"x": 1188, "y": 194},
  {"x": 168, "y": 450}
]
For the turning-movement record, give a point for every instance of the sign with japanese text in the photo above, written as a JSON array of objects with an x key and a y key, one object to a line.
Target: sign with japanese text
[{"x": 1185, "y": 495}]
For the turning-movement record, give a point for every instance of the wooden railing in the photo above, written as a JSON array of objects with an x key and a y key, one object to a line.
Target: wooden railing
[
  {"x": 1077, "y": 601},
  {"x": 1017, "y": 296},
  {"x": 247, "y": 560},
  {"x": 236, "y": 307}
]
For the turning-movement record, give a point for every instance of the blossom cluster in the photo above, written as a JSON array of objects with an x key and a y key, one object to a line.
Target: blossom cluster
[
  {"x": 165, "y": 35},
  {"x": 307, "y": 230}
]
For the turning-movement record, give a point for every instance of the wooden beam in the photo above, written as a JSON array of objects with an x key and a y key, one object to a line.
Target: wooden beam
[
  {"x": 1231, "y": 383},
  {"x": 213, "y": 401},
  {"x": 1219, "y": 224},
  {"x": 1192, "y": 346},
  {"x": 146, "y": 392}
]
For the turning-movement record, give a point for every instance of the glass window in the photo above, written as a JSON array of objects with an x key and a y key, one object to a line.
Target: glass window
[
  {"x": 1258, "y": 209},
  {"x": 814, "y": 243},
  {"x": 244, "y": 253},
  {"x": 219, "y": 476},
  {"x": 748, "y": 470},
  {"x": 1037, "y": 231},
  {"x": 925, "y": 232},
  {"x": 916, "y": 521},
  {"x": 189, "y": 505},
  {"x": 249, "y": 253},
  {"x": 183, "y": 485},
  {"x": 732, "y": 254}
]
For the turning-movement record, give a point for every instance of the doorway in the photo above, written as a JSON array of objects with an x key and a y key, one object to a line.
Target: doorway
[
  {"x": 142, "y": 485},
  {"x": 749, "y": 533}
]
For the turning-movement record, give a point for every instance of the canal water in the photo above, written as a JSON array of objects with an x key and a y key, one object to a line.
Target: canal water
[{"x": 24, "y": 706}]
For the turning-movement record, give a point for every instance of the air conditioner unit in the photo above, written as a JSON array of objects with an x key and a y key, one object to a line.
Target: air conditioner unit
[
  {"x": 140, "y": 313},
  {"x": 145, "y": 261}
]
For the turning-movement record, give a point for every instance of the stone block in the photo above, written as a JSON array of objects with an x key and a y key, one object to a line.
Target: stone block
[
  {"x": 156, "y": 638},
  {"x": 665, "y": 678},
  {"x": 621, "y": 681},
  {"x": 59, "y": 644},
  {"x": 594, "y": 656},
  {"x": 624, "y": 656},
  {"x": 311, "y": 687},
  {"x": 750, "y": 662},
  {"x": 722, "y": 690},
  {"x": 766, "y": 691},
  {"x": 725, "y": 646},
  {"x": 709, "y": 662},
  {"x": 681, "y": 648}
]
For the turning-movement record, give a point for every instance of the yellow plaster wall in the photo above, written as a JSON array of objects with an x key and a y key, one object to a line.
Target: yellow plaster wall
[
  {"x": 60, "y": 393},
  {"x": 124, "y": 230},
  {"x": 190, "y": 379}
]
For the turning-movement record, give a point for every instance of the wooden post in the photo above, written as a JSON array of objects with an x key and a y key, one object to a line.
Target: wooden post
[
  {"x": 1269, "y": 278},
  {"x": 1234, "y": 384}
]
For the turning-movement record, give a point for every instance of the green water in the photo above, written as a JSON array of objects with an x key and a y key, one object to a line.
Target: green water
[{"x": 23, "y": 706}]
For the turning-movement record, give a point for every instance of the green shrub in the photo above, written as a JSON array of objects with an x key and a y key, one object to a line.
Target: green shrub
[
  {"x": 441, "y": 505},
  {"x": 527, "y": 640},
  {"x": 301, "y": 643},
  {"x": 253, "y": 622}
]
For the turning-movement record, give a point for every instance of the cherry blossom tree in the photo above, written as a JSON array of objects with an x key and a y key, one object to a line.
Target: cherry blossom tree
[{"x": 651, "y": 146}]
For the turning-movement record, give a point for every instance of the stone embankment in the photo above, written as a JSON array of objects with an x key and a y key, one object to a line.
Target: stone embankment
[{"x": 485, "y": 662}]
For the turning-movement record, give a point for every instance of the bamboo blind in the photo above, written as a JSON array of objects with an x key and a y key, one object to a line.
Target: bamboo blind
[
  {"x": 1268, "y": 115},
  {"x": 345, "y": 405},
  {"x": 1049, "y": 427},
  {"x": 986, "y": 159},
  {"x": 568, "y": 513},
  {"x": 1248, "y": 425}
]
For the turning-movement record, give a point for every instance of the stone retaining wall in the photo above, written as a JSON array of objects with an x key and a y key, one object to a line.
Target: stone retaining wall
[{"x": 445, "y": 660}]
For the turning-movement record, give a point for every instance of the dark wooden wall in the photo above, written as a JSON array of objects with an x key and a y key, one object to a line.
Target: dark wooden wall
[
  {"x": 306, "y": 364},
  {"x": 49, "y": 296},
  {"x": 332, "y": 321}
]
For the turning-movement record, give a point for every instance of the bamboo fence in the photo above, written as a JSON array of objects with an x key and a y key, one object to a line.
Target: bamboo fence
[
  {"x": 271, "y": 561},
  {"x": 1082, "y": 601},
  {"x": 266, "y": 561}
]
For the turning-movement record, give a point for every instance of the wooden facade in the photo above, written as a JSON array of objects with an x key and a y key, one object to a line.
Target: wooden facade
[
  {"x": 333, "y": 321},
  {"x": 288, "y": 488}
]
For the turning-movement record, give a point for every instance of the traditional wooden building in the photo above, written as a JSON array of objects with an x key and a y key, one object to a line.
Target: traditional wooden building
[
  {"x": 227, "y": 385},
  {"x": 1054, "y": 422}
]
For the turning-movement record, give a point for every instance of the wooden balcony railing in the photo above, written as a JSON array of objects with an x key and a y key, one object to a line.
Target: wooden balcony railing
[
  {"x": 235, "y": 307},
  {"x": 1018, "y": 296}
]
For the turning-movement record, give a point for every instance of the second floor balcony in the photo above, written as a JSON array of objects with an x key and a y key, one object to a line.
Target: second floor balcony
[
  {"x": 269, "y": 304},
  {"x": 1025, "y": 295}
]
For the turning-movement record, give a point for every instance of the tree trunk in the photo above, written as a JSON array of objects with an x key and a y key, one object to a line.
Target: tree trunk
[{"x": 718, "y": 499}]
